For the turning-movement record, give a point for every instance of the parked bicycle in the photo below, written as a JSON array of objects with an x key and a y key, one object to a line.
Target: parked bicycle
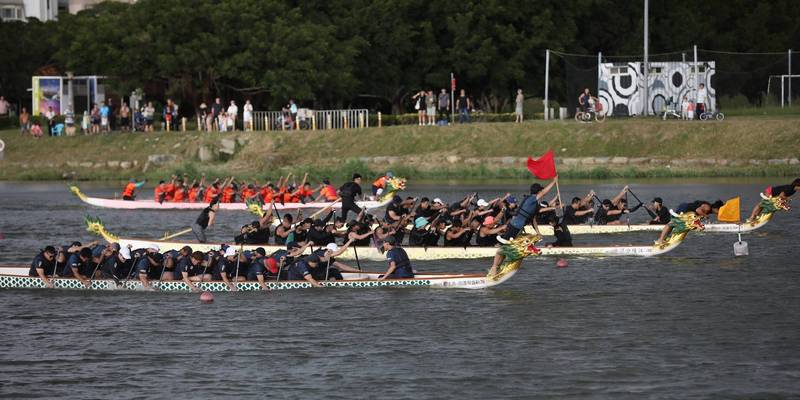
[
  {"x": 595, "y": 113},
  {"x": 712, "y": 115},
  {"x": 671, "y": 110}
]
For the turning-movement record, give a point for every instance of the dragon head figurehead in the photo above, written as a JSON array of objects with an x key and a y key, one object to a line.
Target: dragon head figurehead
[
  {"x": 393, "y": 185},
  {"x": 515, "y": 251},
  {"x": 77, "y": 192},
  {"x": 770, "y": 205},
  {"x": 95, "y": 227},
  {"x": 681, "y": 224},
  {"x": 255, "y": 206}
]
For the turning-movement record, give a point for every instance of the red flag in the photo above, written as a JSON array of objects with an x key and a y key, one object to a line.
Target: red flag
[{"x": 544, "y": 167}]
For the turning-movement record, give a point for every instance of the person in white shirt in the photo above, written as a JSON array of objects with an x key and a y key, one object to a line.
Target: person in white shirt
[
  {"x": 685, "y": 108},
  {"x": 3, "y": 106},
  {"x": 248, "y": 116},
  {"x": 233, "y": 110},
  {"x": 700, "y": 104}
]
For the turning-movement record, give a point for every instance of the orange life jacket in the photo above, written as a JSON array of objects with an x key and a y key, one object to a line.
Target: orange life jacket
[
  {"x": 329, "y": 192},
  {"x": 193, "y": 195},
  {"x": 248, "y": 193},
  {"x": 380, "y": 182},
  {"x": 129, "y": 190},
  {"x": 266, "y": 193},
  {"x": 228, "y": 195},
  {"x": 157, "y": 193},
  {"x": 180, "y": 195},
  {"x": 169, "y": 189},
  {"x": 211, "y": 192}
]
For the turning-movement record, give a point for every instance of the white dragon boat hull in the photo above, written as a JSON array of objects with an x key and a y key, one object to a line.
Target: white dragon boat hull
[{"x": 17, "y": 278}]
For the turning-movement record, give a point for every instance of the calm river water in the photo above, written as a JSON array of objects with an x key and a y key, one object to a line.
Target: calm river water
[{"x": 695, "y": 323}]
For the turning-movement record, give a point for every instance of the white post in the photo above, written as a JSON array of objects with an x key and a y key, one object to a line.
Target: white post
[
  {"x": 790, "y": 77},
  {"x": 646, "y": 97},
  {"x": 452, "y": 99},
  {"x": 696, "y": 77},
  {"x": 599, "y": 62},
  {"x": 546, "y": 83},
  {"x": 782, "y": 91}
]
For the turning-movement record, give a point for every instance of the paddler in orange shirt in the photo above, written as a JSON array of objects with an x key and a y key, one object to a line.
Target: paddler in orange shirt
[
  {"x": 129, "y": 193},
  {"x": 380, "y": 184},
  {"x": 327, "y": 191}
]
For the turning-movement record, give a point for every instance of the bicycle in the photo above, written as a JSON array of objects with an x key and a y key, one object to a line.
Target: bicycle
[
  {"x": 587, "y": 116},
  {"x": 670, "y": 110},
  {"x": 712, "y": 115}
]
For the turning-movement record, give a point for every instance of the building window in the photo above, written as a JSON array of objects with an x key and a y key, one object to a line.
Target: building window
[
  {"x": 656, "y": 70},
  {"x": 619, "y": 70},
  {"x": 11, "y": 13}
]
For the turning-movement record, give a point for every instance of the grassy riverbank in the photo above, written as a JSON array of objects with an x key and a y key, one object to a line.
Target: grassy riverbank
[{"x": 739, "y": 146}]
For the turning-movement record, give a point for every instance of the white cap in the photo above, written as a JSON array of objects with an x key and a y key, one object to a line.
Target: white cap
[
  {"x": 153, "y": 246},
  {"x": 230, "y": 251},
  {"x": 332, "y": 247},
  {"x": 482, "y": 203},
  {"x": 437, "y": 201},
  {"x": 125, "y": 252}
]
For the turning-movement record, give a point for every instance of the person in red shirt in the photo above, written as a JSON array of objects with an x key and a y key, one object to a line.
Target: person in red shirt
[
  {"x": 179, "y": 195},
  {"x": 159, "y": 193},
  {"x": 248, "y": 192},
  {"x": 229, "y": 193},
  {"x": 380, "y": 184}
]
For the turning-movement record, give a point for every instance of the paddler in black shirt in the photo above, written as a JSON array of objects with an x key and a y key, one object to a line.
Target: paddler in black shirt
[
  {"x": 579, "y": 210},
  {"x": 44, "y": 264},
  {"x": 610, "y": 211},
  {"x": 783, "y": 191},
  {"x": 205, "y": 220},
  {"x": 349, "y": 192},
  {"x": 658, "y": 211}
]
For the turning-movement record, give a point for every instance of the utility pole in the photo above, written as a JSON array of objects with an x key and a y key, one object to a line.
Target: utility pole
[
  {"x": 646, "y": 97},
  {"x": 547, "y": 84}
]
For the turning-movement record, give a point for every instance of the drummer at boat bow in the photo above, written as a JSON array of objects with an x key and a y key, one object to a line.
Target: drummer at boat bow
[
  {"x": 399, "y": 264},
  {"x": 784, "y": 192},
  {"x": 525, "y": 214}
]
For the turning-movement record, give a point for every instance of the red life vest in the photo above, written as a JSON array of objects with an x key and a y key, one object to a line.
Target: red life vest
[
  {"x": 193, "y": 195},
  {"x": 329, "y": 192},
  {"x": 228, "y": 195},
  {"x": 129, "y": 190},
  {"x": 211, "y": 192},
  {"x": 380, "y": 182},
  {"x": 180, "y": 195}
]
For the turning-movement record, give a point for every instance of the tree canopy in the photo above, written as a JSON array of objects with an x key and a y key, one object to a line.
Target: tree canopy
[{"x": 333, "y": 53}]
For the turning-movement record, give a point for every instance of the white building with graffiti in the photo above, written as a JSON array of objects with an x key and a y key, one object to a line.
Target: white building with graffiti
[{"x": 620, "y": 85}]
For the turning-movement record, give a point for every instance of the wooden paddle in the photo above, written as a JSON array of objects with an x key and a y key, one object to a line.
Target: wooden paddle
[
  {"x": 338, "y": 199},
  {"x": 176, "y": 234}
]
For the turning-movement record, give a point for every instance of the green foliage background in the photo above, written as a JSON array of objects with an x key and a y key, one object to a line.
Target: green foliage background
[{"x": 329, "y": 52}]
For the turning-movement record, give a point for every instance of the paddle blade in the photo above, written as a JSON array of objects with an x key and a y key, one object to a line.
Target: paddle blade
[
  {"x": 544, "y": 167},
  {"x": 730, "y": 212}
]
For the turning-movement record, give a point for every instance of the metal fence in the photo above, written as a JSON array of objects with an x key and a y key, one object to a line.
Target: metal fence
[{"x": 310, "y": 120}]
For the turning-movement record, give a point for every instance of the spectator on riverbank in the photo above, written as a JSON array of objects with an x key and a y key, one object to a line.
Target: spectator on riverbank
[
  {"x": 293, "y": 110},
  {"x": 700, "y": 104},
  {"x": 95, "y": 118},
  {"x": 24, "y": 122},
  {"x": 105, "y": 114},
  {"x": 419, "y": 105},
  {"x": 50, "y": 115},
  {"x": 444, "y": 105},
  {"x": 125, "y": 117},
  {"x": 430, "y": 107},
  {"x": 3, "y": 106},
  {"x": 36, "y": 130},
  {"x": 233, "y": 112},
  {"x": 248, "y": 116},
  {"x": 518, "y": 106},
  {"x": 69, "y": 122},
  {"x": 216, "y": 110},
  {"x": 112, "y": 116},
  {"x": 463, "y": 105}
]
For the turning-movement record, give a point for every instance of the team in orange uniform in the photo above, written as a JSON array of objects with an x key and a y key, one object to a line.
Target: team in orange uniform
[
  {"x": 380, "y": 184},
  {"x": 129, "y": 192},
  {"x": 179, "y": 190}
]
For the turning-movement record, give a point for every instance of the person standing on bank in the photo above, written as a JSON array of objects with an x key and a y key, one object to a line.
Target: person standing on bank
[
  {"x": 205, "y": 220},
  {"x": 700, "y": 104},
  {"x": 463, "y": 105},
  {"x": 518, "y": 109}
]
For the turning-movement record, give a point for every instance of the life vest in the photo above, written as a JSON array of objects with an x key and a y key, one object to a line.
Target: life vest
[
  {"x": 192, "y": 195},
  {"x": 169, "y": 190},
  {"x": 266, "y": 194},
  {"x": 179, "y": 196},
  {"x": 329, "y": 192},
  {"x": 380, "y": 182},
  {"x": 248, "y": 193},
  {"x": 304, "y": 193},
  {"x": 211, "y": 192},
  {"x": 157, "y": 193},
  {"x": 228, "y": 195},
  {"x": 288, "y": 198},
  {"x": 129, "y": 190}
]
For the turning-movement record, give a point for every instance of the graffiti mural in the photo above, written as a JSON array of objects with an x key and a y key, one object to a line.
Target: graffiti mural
[{"x": 620, "y": 86}]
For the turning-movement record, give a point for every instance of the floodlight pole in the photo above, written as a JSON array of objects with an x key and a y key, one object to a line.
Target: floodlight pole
[
  {"x": 790, "y": 79},
  {"x": 546, "y": 84},
  {"x": 646, "y": 97}
]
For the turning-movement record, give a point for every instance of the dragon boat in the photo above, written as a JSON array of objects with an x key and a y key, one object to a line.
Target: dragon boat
[
  {"x": 16, "y": 277},
  {"x": 393, "y": 185},
  {"x": 96, "y": 227}
]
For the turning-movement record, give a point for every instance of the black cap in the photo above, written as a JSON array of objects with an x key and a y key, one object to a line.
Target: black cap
[
  {"x": 313, "y": 259},
  {"x": 356, "y": 176},
  {"x": 658, "y": 200},
  {"x": 260, "y": 251}
]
